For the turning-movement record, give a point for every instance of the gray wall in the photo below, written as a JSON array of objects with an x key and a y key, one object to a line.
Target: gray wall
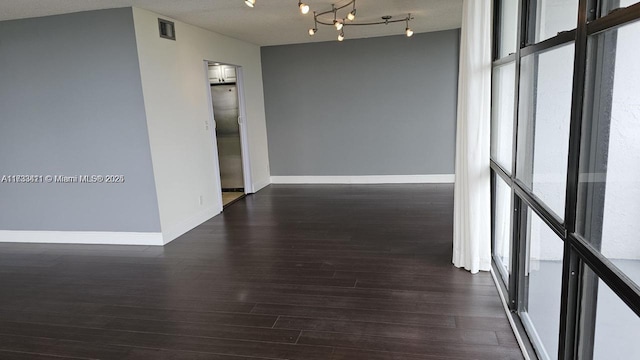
[
  {"x": 71, "y": 103},
  {"x": 378, "y": 106}
]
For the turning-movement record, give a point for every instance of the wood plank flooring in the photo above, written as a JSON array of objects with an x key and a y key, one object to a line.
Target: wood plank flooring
[{"x": 292, "y": 272}]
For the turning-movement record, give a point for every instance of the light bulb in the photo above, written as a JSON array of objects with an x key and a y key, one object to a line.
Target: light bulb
[
  {"x": 250, "y": 3},
  {"x": 341, "y": 36},
  {"x": 338, "y": 24},
  {"x": 352, "y": 15},
  {"x": 312, "y": 32},
  {"x": 409, "y": 32},
  {"x": 304, "y": 8}
]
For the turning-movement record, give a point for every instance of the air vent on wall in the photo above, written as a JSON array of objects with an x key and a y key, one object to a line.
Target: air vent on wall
[{"x": 167, "y": 29}]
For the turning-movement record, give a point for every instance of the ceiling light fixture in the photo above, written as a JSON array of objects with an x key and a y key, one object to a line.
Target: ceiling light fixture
[
  {"x": 336, "y": 22},
  {"x": 408, "y": 30},
  {"x": 352, "y": 15},
  {"x": 250, "y": 3},
  {"x": 323, "y": 19},
  {"x": 314, "y": 30},
  {"x": 304, "y": 8}
]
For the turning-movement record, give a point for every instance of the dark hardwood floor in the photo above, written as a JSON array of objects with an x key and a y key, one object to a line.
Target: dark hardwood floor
[{"x": 292, "y": 272}]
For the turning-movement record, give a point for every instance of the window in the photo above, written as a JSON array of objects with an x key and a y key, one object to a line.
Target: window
[
  {"x": 616, "y": 326},
  {"x": 543, "y": 281},
  {"x": 503, "y": 96},
  {"x": 502, "y": 227},
  {"x": 610, "y": 5},
  {"x": 508, "y": 27},
  {"x": 543, "y": 133},
  {"x": 552, "y": 17},
  {"x": 566, "y": 206},
  {"x": 610, "y": 175}
]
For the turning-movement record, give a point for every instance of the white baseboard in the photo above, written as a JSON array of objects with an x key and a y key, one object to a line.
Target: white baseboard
[
  {"x": 260, "y": 185},
  {"x": 174, "y": 231},
  {"x": 109, "y": 237},
  {"x": 366, "y": 179},
  {"x": 82, "y": 237}
]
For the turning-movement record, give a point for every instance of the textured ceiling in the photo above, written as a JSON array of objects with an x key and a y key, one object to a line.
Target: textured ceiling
[{"x": 271, "y": 22}]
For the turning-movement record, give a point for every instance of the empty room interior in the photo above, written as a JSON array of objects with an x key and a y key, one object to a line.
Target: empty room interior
[{"x": 319, "y": 179}]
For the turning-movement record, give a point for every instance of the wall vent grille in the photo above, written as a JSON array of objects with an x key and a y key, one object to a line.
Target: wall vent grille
[{"x": 167, "y": 29}]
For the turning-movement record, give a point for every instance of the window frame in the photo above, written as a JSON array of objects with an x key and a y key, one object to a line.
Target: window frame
[{"x": 578, "y": 306}]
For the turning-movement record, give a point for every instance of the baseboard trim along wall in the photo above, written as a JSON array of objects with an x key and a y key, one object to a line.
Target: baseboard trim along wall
[
  {"x": 82, "y": 237},
  {"x": 366, "y": 179},
  {"x": 174, "y": 231},
  {"x": 109, "y": 237}
]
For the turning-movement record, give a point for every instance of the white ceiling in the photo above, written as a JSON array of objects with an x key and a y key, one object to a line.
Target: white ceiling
[{"x": 271, "y": 22}]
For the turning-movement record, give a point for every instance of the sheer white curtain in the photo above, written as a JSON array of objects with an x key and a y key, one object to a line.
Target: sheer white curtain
[{"x": 472, "y": 204}]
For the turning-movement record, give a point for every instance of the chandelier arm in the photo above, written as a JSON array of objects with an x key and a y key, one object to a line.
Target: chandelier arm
[
  {"x": 336, "y": 8},
  {"x": 377, "y": 22},
  {"x": 324, "y": 22},
  {"x": 366, "y": 23}
]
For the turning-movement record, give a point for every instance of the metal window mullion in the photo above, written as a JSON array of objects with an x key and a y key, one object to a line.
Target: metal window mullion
[
  {"x": 619, "y": 282},
  {"x": 598, "y": 92},
  {"x": 530, "y": 36},
  {"x": 516, "y": 92},
  {"x": 571, "y": 277},
  {"x": 569, "y": 306},
  {"x": 492, "y": 179},
  {"x": 514, "y": 278},
  {"x": 497, "y": 7},
  {"x": 500, "y": 171},
  {"x": 505, "y": 60},
  {"x": 617, "y": 18},
  {"x": 517, "y": 267},
  {"x": 515, "y": 275},
  {"x": 523, "y": 251},
  {"x": 556, "y": 41},
  {"x": 540, "y": 208}
]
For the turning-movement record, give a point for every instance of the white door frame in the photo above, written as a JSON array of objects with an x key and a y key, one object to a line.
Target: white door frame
[
  {"x": 243, "y": 128},
  {"x": 211, "y": 125},
  {"x": 244, "y": 133}
]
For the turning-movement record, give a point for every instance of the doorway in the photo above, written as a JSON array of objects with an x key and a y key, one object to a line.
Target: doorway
[{"x": 227, "y": 110}]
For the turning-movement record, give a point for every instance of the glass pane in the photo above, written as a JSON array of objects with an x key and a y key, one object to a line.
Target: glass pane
[
  {"x": 616, "y": 325},
  {"x": 508, "y": 27},
  {"x": 502, "y": 114},
  {"x": 502, "y": 227},
  {"x": 616, "y": 4},
  {"x": 610, "y": 176},
  {"x": 554, "y": 16},
  {"x": 543, "y": 129},
  {"x": 544, "y": 274}
]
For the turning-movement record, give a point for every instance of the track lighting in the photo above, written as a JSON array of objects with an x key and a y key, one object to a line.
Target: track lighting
[
  {"x": 346, "y": 19},
  {"x": 250, "y": 3},
  {"x": 304, "y": 8}
]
